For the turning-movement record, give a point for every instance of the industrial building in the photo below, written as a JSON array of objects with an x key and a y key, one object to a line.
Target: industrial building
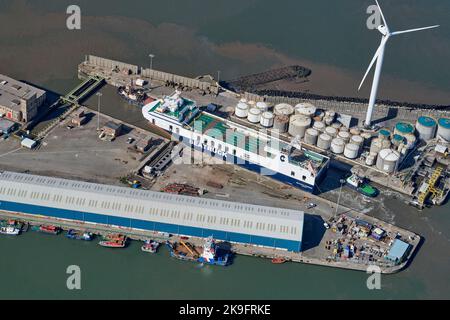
[
  {"x": 19, "y": 101},
  {"x": 152, "y": 211}
]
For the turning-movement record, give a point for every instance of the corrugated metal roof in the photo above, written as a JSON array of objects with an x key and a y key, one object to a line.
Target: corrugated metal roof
[{"x": 152, "y": 206}]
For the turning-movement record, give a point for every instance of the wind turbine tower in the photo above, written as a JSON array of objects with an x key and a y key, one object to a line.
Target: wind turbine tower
[{"x": 378, "y": 57}]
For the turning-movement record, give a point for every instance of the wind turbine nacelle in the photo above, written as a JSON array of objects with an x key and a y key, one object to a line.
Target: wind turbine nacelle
[{"x": 383, "y": 29}]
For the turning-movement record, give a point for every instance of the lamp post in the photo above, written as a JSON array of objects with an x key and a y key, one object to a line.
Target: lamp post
[
  {"x": 342, "y": 181},
  {"x": 151, "y": 56},
  {"x": 98, "y": 94}
]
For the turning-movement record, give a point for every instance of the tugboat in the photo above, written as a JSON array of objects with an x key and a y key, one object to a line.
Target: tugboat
[
  {"x": 79, "y": 235},
  {"x": 9, "y": 231},
  {"x": 50, "y": 229},
  {"x": 150, "y": 246},
  {"x": 212, "y": 254},
  {"x": 114, "y": 241},
  {"x": 360, "y": 185}
]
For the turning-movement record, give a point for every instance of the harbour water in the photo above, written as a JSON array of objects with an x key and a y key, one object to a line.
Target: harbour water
[{"x": 199, "y": 38}]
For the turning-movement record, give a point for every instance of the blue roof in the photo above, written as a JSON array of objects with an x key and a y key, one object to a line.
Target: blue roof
[
  {"x": 427, "y": 121},
  {"x": 398, "y": 250}
]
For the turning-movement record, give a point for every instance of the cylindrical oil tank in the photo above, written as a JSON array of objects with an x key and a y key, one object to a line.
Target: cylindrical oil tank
[
  {"x": 379, "y": 144},
  {"x": 281, "y": 123},
  {"x": 343, "y": 129},
  {"x": 241, "y": 110},
  {"x": 444, "y": 128},
  {"x": 358, "y": 140},
  {"x": 344, "y": 135},
  {"x": 306, "y": 109},
  {"x": 324, "y": 141},
  {"x": 410, "y": 140},
  {"x": 384, "y": 134},
  {"x": 336, "y": 125},
  {"x": 387, "y": 160},
  {"x": 311, "y": 135},
  {"x": 283, "y": 109},
  {"x": 252, "y": 104},
  {"x": 266, "y": 119},
  {"x": 370, "y": 160},
  {"x": 331, "y": 131},
  {"x": 243, "y": 100},
  {"x": 367, "y": 137},
  {"x": 328, "y": 120},
  {"x": 298, "y": 124},
  {"x": 351, "y": 150},
  {"x": 426, "y": 127},
  {"x": 355, "y": 131},
  {"x": 397, "y": 140},
  {"x": 337, "y": 145},
  {"x": 254, "y": 115},
  {"x": 403, "y": 128},
  {"x": 330, "y": 113},
  {"x": 262, "y": 106},
  {"x": 319, "y": 125}
]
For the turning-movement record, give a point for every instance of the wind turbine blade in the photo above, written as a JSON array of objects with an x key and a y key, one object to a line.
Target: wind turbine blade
[
  {"x": 413, "y": 30},
  {"x": 382, "y": 15},
  {"x": 375, "y": 57}
]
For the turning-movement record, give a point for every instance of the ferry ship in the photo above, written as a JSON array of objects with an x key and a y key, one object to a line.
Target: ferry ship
[{"x": 258, "y": 151}]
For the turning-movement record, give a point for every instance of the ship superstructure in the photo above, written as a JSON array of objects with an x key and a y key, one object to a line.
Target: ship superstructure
[{"x": 235, "y": 143}]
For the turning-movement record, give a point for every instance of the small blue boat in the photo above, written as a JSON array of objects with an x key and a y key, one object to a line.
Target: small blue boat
[{"x": 79, "y": 235}]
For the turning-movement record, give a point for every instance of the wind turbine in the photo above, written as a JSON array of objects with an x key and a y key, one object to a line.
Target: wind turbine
[{"x": 378, "y": 57}]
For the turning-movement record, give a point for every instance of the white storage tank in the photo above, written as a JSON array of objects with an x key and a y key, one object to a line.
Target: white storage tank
[
  {"x": 330, "y": 113},
  {"x": 283, "y": 109},
  {"x": 311, "y": 135},
  {"x": 426, "y": 127},
  {"x": 351, "y": 150},
  {"x": 337, "y": 145},
  {"x": 243, "y": 100},
  {"x": 324, "y": 141},
  {"x": 410, "y": 140},
  {"x": 306, "y": 109},
  {"x": 281, "y": 123},
  {"x": 331, "y": 131},
  {"x": 319, "y": 126},
  {"x": 241, "y": 110},
  {"x": 254, "y": 115},
  {"x": 252, "y": 104},
  {"x": 379, "y": 144},
  {"x": 358, "y": 140},
  {"x": 328, "y": 120},
  {"x": 262, "y": 106},
  {"x": 444, "y": 128},
  {"x": 370, "y": 161},
  {"x": 344, "y": 135},
  {"x": 387, "y": 160},
  {"x": 336, "y": 125},
  {"x": 298, "y": 125},
  {"x": 355, "y": 131},
  {"x": 343, "y": 129},
  {"x": 266, "y": 119}
]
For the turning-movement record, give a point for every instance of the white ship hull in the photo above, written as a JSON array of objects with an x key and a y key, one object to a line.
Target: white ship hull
[{"x": 276, "y": 166}]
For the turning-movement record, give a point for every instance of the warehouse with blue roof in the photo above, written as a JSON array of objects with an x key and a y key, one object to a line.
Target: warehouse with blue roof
[{"x": 151, "y": 211}]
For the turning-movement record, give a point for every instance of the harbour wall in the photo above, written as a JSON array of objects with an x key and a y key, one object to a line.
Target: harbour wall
[{"x": 152, "y": 74}]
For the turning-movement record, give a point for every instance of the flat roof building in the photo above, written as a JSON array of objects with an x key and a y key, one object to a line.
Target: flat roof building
[
  {"x": 6, "y": 126},
  {"x": 19, "y": 101},
  {"x": 152, "y": 211},
  {"x": 398, "y": 251}
]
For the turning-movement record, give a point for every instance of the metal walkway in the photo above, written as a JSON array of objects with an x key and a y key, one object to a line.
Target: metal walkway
[{"x": 83, "y": 90}]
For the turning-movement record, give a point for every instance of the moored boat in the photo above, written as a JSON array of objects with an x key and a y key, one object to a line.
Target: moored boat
[
  {"x": 50, "y": 229},
  {"x": 361, "y": 185},
  {"x": 114, "y": 241},
  {"x": 213, "y": 254},
  {"x": 79, "y": 235},
  {"x": 278, "y": 260},
  {"x": 150, "y": 246},
  {"x": 10, "y": 231},
  {"x": 182, "y": 250}
]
